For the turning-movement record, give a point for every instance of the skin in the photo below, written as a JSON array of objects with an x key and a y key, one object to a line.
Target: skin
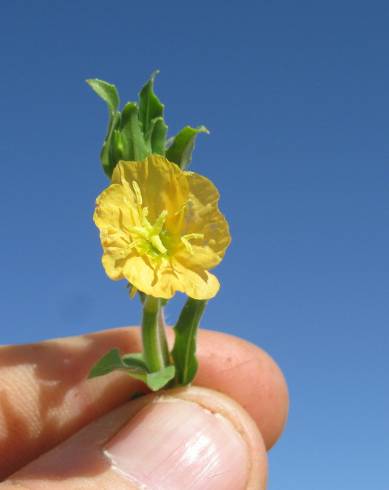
[{"x": 45, "y": 397}]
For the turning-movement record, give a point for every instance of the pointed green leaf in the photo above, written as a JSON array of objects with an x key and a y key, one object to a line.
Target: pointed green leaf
[
  {"x": 158, "y": 136},
  {"x": 135, "y": 366},
  {"x": 107, "y": 92},
  {"x": 156, "y": 381},
  {"x": 180, "y": 151},
  {"x": 106, "y": 364},
  {"x": 184, "y": 350},
  {"x": 133, "y": 143},
  {"x": 132, "y": 364},
  {"x": 150, "y": 106}
]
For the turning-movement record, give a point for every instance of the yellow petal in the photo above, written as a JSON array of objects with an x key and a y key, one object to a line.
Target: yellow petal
[
  {"x": 163, "y": 184},
  {"x": 142, "y": 275},
  {"x": 164, "y": 282},
  {"x": 196, "y": 283},
  {"x": 113, "y": 267},
  {"x": 202, "y": 215},
  {"x": 115, "y": 207},
  {"x": 117, "y": 248},
  {"x": 201, "y": 256},
  {"x": 115, "y": 213}
]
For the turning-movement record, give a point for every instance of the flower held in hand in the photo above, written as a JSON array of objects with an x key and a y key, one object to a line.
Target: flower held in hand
[{"x": 161, "y": 229}]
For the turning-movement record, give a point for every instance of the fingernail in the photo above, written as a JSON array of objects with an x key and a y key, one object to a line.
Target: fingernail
[{"x": 173, "y": 444}]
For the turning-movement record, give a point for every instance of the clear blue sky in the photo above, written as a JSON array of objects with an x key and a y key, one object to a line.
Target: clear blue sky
[{"x": 296, "y": 95}]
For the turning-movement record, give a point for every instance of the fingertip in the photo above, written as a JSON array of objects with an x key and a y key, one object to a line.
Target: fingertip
[
  {"x": 247, "y": 374},
  {"x": 170, "y": 440},
  {"x": 221, "y": 404}
]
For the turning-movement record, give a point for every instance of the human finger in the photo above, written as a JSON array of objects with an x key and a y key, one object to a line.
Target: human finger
[
  {"x": 45, "y": 396},
  {"x": 186, "y": 438}
]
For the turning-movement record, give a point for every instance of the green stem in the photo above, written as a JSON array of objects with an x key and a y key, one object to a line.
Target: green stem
[
  {"x": 153, "y": 349},
  {"x": 162, "y": 336}
]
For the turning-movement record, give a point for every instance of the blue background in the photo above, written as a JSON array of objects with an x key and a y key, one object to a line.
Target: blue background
[{"x": 296, "y": 97}]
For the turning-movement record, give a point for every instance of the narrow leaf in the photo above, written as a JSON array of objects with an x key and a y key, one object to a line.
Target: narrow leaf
[
  {"x": 158, "y": 136},
  {"x": 156, "y": 381},
  {"x": 106, "y": 364},
  {"x": 107, "y": 92},
  {"x": 135, "y": 366},
  {"x": 184, "y": 350},
  {"x": 133, "y": 143},
  {"x": 132, "y": 364},
  {"x": 150, "y": 106},
  {"x": 180, "y": 151}
]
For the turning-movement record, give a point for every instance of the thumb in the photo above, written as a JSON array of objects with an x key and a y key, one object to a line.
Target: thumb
[{"x": 191, "y": 438}]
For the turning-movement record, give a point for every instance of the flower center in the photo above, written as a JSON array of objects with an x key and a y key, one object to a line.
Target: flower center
[
  {"x": 147, "y": 238},
  {"x": 154, "y": 240}
]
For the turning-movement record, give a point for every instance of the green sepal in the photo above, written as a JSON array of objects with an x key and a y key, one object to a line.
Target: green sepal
[
  {"x": 134, "y": 366},
  {"x": 182, "y": 146},
  {"x": 150, "y": 107},
  {"x": 184, "y": 350},
  {"x": 134, "y": 147}
]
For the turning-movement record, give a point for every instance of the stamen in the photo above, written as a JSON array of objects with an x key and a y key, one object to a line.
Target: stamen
[
  {"x": 190, "y": 236},
  {"x": 194, "y": 236},
  {"x": 148, "y": 239},
  {"x": 139, "y": 230},
  {"x": 157, "y": 243},
  {"x": 133, "y": 244},
  {"x": 187, "y": 245},
  {"x": 138, "y": 194},
  {"x": 160, "y": 221},
  {"x": 182, "y": 208}
]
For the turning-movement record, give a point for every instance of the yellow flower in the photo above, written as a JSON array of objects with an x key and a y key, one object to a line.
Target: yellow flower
[{"x": 161, "y": 229}]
